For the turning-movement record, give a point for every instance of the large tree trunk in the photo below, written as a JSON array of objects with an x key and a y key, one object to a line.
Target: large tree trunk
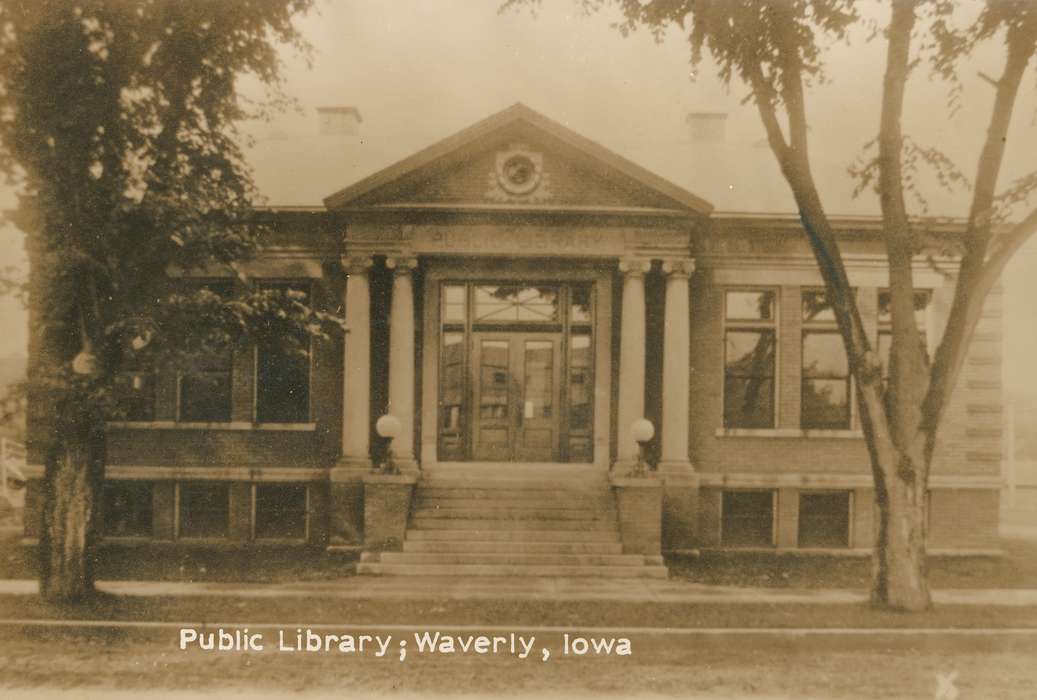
[
  {"x": 899, "y": 572},
  {"x": 72, "y": 486}
]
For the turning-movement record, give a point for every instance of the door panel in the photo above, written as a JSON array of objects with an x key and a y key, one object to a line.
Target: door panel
[
  {"x": 516, "y": 397},
  {"x": 493, "y": 425},
  {"x": 538, "y": 422}
]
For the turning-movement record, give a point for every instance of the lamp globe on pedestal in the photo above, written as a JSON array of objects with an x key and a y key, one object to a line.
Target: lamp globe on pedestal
[
  {"x": 388, "y": 427},
  {"x": 642, "y": 431}
]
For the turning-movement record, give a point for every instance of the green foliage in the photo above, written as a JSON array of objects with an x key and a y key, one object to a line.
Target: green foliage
[{"x": 118, "y": 125}]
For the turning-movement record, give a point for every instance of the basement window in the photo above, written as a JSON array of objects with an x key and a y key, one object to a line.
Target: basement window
[
  {"x": 127, "y": 508},
  {"x": 747, "y": 519},
  {"x": 824, "y": 519},
  {"x": 204, "y": 510},
  {"x": 280, "y": 512}
]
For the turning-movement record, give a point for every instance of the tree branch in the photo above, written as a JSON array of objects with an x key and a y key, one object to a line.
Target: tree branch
[{"x": 977, "y": 275}]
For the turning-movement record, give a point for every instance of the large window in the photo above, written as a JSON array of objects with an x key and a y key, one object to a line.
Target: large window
[
  {"x": 747, "y": 519},
  {"x": 283, "y": 368},
  {"x": 825, "y": 399},
  {"x": 204, "y": 390},
  {"x": 824, "y": 519},
  {"x": 280, "y": 511},
  {"x": 922, "y": 298},
  {"x": 749, "y": 357},
  {"x": 204, "y": 509},
  {"x": 127, "y": 508}
]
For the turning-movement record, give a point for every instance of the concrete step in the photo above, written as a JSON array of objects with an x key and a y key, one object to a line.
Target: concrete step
[
  {"x": 494, "y": 534},
  {"x": 507, "y": 558},
  {"x": 556, "y": 524},
  {"x": 497, "y": 483},
  {"x": 493, "y": 512},
  {"x": 511, "y": 570},
  {"x": 513, "y": 497},
  {"x": 469, "y": 546}
]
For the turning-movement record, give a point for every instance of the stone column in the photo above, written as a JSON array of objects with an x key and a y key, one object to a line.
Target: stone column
[
  {"x": 676, "y": 365},
  {"x": 680, "y": 482},
  {"x": 401, "y": 359},
  {"x": 346, "y": 519},
  {"x": 356, "y": 412},
  {"x": 631, "y": 359}
]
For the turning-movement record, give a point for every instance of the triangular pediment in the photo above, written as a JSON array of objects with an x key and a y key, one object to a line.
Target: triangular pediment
[{"x": 518, "y": 158}]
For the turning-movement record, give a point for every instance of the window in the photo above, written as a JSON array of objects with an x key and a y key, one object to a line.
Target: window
[
  {"x": 127, "y": 508},
  {"x": 825, "y": 398},
  {"x": 504, "y": 303},
  {"x": 204, "y": 391},
  {"x": 280, "y": 511},
  {"x": 824, "y": 519},
  {"x": 283, "y": 369},
  {"x": 922, "y": 298},
  {"x": 134, "y": 393},
  {"x": 749, "y": 356},
  {"x": 204, "y": 509},
  {"x": 747, "y": 519}
]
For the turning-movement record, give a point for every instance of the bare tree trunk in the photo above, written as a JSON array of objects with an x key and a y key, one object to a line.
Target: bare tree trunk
[
  {"x": 72, "y": 486},
  {"x": 899, "y": 572}
]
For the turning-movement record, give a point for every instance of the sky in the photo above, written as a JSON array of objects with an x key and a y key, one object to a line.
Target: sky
[{"x": 419, "y": 70}]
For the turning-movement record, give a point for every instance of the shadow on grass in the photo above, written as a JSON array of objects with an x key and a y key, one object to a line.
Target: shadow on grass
[
  {"x": 192, "y": 562},
  {"x": 1017, "y": 568}
]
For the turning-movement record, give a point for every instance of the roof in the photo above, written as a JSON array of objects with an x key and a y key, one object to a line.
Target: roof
[{"x": 517, "y": 113}]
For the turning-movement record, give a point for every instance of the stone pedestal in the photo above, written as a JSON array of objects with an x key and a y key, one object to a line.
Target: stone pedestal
[
  {"x": 639, "y": 505},
  {"x": 387, "y": 501}
]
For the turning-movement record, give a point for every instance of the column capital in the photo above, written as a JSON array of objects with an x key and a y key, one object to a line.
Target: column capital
[
  {"x": 357, "y": 263},
  {"x": 678, "y": 267},
  {"x": 401, "y": 265},
  {"x": 634, "y": 267}
]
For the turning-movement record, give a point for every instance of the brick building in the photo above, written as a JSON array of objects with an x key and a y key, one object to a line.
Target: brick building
[{"x": 518, "y": 296}]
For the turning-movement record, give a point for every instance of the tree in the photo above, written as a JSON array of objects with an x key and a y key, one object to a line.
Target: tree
[
  {"x": 118, "y": 124},
  {"x": 775, "y": 47}
]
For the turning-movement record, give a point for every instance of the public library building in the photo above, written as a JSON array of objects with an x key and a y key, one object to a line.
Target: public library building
[{"x": 518, "y": 296}]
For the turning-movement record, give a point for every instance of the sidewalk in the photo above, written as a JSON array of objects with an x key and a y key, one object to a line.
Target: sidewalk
[{"x": 560, "y": 589}]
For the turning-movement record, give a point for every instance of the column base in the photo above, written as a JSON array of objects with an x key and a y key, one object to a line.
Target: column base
[
  {"x": 407, "y": 466},
  {"x": 623, "y": 468},
  {"x": 678, "y": 471}
]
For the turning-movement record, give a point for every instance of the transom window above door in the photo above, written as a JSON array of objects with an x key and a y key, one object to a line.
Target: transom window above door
[{"x": 504, "y": 303}]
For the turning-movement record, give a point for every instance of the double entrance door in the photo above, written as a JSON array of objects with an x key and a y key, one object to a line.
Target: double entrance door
[{"x": 517, "y": 392}]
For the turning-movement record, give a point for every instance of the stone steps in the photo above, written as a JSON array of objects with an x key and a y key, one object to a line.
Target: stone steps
[
  {"x": 518, "y": 547},
  {"x": 487, "y": 523},
  {"x": 513, "y": 521},
  {"x": 460, "y": 497},
  {"x": 506, "y": 558},
  {"x": 510, "y": 536},
  {"x": 512, "y": 570},
  {"x": 495, "y": 511}
]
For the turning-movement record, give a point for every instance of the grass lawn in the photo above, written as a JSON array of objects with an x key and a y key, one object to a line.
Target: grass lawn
[
  {"x": 1017, "y": 568},
  {"x": 280, "y": 564},
  {"x": 166, "y": 562}
]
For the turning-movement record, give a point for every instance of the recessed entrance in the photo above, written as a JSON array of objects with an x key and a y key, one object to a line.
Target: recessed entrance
[{"x": 516, "y": 372}]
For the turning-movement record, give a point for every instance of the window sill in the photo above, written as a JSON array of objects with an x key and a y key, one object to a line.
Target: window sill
[
  {"x": 789, "y": 433},
  {"x": 229, "y": 425}
]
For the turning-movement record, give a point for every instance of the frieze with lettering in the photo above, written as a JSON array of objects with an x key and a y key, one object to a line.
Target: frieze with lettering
[{"x": 518, "y": 240}]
